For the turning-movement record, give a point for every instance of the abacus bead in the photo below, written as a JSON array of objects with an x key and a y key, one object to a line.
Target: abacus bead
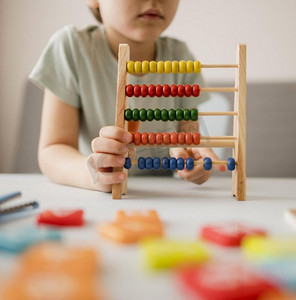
[
  {"x": 157, "y": 114},
  {"x": 138, "y": 67},
  {"x": 195, "y": 90},
  {"x": 172, "y": 163},
  {"x": 181, "y": 90},
  {"x": 164, "y": 115},
  {"x": 182, "y": 66},
  {"x": 130, "y": 67},
  {"x": 165, "y": 163},
  {"x": 174, "y": 90},
  {"x": 143, "y": 114},
  {"x": 196, "y": 138},
  {"x": 180, "y": 163},
  {"x": 186, "y": 114},
  {"x": 135, "y": 114},
  {"x": 189, "y": 163},
  {"x": 193, "y": 114},
  {"x": 145, "y": 66},
  {"x": 168, "y": 66},
  {"x": 174, "y": 138},
  {"x": 150, "y": 114},
  {"x": 149, "y": 163},
  {"x": 156, "y": 163},
  {"x": 230, "y": 164},
  {"x": 188, "y": 90},
  {"x": 207, "y": 163},
  {"x": 181, "y": 138},
  {"x": 151, "y": 90},
  {"x": 160, "y": 67},
  {"x": 141, "y": 163},
  {"x": 153, "y": 66},
  {"x": 166, "y": 138},
  {"x": 175, "y": 67},
  {"x": 172, "y": 114},
  {"x": 189, "y": 66},
  {"x": 179, "y": 114},
  {"x": 129, "y": 90},
  {"x": 166, "y": 90},
  {"x": 151, "y": 138},
  {"x": 196, "y": 66},
  {"x": 188, "y": 138},
  {"x": 128, "y": 163},
  {"x": 159, "y": 138},
  {"x": 137, "y": 90},
  {"x": 144, "y": 138},
  {"x": 128, "y": 114},
  {"x": 137, "y": 138},
  {"x": 158, "y": 90},
  {"x": 144, "y": 90}
]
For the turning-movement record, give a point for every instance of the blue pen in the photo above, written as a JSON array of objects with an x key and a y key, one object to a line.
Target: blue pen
[{"x": 9, "y": 196}]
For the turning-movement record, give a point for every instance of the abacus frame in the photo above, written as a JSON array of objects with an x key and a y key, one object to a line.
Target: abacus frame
[{"x": 237, "y": 142}]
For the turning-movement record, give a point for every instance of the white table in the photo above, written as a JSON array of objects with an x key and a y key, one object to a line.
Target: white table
[{"x": 182, "y": 206}]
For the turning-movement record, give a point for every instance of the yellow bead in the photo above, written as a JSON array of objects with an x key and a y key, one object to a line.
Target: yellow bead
[
  {"x": 189, "y": 66},
  {"x": 153, "y": 66},
  {"x": 182, "y": 66},
  {"x": 145, "y": 66},
  {"x": 175, "y": 67},
  {"x": 160, "y": 67},
  {"x": 196, "y": 66},
  {"x": 138, "y": 67},
  {"x": 168, "y": 66},
  {"x": 130, "y": 67}
]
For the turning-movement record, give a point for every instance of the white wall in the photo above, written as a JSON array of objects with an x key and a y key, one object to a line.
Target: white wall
[{"x": 212, "y": 29}]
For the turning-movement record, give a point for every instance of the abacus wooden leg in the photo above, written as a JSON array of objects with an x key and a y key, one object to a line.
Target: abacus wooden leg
[
  {"x": 239, "y": 127},
  {"x": 123, "y": 58}
]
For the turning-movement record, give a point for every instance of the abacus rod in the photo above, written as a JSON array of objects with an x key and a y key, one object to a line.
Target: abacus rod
[
  {"x": 234, "y": 66},
  {"x": 198, "y": 162},
  {"x": 219, "y": 89},
  {"x": 217, "y": 113},
  {"x": 228, "y": 137}
]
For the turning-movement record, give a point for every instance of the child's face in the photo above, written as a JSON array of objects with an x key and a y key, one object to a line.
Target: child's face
[{"x": 137, "y": 20}]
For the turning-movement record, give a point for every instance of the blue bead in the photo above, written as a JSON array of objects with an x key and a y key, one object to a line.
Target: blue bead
[
  {"x": 128, "y": 163},
  {"x": 180, "y": 163},
  {"x": 156, "y": 163},
  {"x": 189, "y": 163},
  {"x": 165, "y": 163},
  {"x": 173, "y": 164},
  {"x": 141, "y": 163},
  {"x": 149, "y": 163},
  {"x": 230, "y": 164},
  {"x": 208, "y": 163}
]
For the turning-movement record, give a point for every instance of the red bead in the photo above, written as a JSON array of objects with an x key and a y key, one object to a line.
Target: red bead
[
  {"x": 151, "y": 138},
  {"x": 174, "y": 90},
  {"x": 195, "y": 90},
  {"x": 129, "y": 90},
  {"x": 159, "y": 138},
  {"x": 137, "y": 138},
  {"x": 188, "y": 90},
  {"x": 144, "y": 90},
  {"x": 158, "y": 90},
  {"x": 181, "y": 90},
  {"x": 196, "y": 138},
  {"x": 166, "y": 90},
  {"x": 181, "y": 138},
  {"x": 174, "y": 138},
  {"x": 166, "y": 138},
  {"x": 137, "y": 90},
  {"x": 144, "y": 138},
  {"x": 151, "y": 90},
  {"x": 188, "y": 138}
]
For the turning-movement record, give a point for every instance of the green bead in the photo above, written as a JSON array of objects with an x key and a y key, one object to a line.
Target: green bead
[
  {"x": 157, "y": 114},
  {"x": 186, "y": 114},
  {"x": 128, "y": 114},
  {"x": 194, "y": 114},
  {"x": 135, "y": 114},
  {"x": 179, "y": 114},
  {"x": 143, "y": 114},
  {"x": 150, "y": 114},
  {"x": 164, "y": 115},
  {"x": 172, "y": 114}
]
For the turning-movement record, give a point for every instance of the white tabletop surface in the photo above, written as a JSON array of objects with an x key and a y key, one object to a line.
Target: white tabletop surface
[{"x": 182, "y": 206}]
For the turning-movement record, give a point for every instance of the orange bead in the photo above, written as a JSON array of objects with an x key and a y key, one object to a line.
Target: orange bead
[
  {"x": 188, "y": 138},
  {"x": 196, "y": 138},
  {"x": 144, "y": 138},
  {"x": 166, "y": 138},
  {"x": 159, "y": 138},
  {"x": 151, "y": 138},
  {"x": 174, "y": 138},
  {"x": 137, "y": 138},
  {"x": 181, "y": 138}
]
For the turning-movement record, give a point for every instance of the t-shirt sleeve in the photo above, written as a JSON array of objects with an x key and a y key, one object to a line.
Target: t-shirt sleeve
[{"x": 55, "y": 69}]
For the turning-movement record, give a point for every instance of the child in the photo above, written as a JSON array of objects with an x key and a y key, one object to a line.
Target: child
[{"x": 78, "y": 70}]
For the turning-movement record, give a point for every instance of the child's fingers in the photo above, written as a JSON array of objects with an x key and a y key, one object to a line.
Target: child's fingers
[
  {"x": 179, "y": 152},
  {"x": 116, "y": 133},
  {"x": 92, "y": 3},
  {"x": 208, "y": 152},
  {"x": 105, "y": 145},
  {"x": 103, "y": 160}
]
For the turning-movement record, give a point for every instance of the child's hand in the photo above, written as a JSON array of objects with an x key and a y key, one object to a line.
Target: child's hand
[
  {"x": 92, "y": 3},
  {"x": 198, "y": 175}
]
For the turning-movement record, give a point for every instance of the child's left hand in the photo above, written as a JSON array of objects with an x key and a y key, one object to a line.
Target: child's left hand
[{"x": 198, "y": 175}]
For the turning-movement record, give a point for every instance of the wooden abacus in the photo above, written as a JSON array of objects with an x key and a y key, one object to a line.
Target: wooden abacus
[{"x": 237, "y": 141}]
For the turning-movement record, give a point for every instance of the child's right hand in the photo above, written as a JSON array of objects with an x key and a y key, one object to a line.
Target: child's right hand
[{"x": 109, "y": 149}]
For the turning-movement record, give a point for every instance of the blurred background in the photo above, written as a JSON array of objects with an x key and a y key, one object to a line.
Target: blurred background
[{"x": 212, "y": 29}]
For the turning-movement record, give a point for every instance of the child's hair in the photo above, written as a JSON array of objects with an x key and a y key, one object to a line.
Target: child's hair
[{"x": 96, "y": 12}]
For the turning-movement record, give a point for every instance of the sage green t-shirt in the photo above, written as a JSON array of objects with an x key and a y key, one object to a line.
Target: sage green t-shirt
[{"x": 80, "y": 69}]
